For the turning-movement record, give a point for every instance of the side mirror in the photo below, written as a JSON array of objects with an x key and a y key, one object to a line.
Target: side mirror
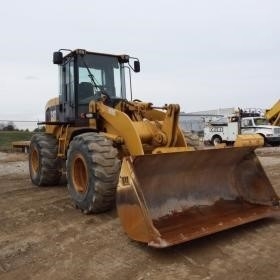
[
  {"x": 136, "y": 66},
  {"x": 57, "y": 58}
]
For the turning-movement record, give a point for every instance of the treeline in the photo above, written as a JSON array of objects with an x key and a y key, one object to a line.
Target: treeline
[{"x": 10, "y": 126}]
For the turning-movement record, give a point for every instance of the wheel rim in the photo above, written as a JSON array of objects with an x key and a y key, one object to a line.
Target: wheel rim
[
  {"x": 217, "y": 141},
  {"x": 34, "y": 161},
  {"x": 79, "y": 174}
]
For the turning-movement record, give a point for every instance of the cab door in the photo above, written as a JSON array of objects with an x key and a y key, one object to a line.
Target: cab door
[
  {"x": 247, "y": 126},
  {"x": 67, "y": 92}
]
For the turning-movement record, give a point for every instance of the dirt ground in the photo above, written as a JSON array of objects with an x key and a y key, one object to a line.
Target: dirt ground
[{"x": 42, "y": 236}]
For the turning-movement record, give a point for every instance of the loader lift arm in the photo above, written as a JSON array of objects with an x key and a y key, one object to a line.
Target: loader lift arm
[{"x": 160, "y": 131}]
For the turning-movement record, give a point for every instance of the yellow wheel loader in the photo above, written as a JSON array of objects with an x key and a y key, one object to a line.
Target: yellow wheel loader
[{"x": 133, "y": 154}]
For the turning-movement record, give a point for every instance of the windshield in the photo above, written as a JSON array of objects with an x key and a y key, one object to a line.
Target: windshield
[
  {"x": 261, "y": 121},
  {"x": 106, "y": 74}
]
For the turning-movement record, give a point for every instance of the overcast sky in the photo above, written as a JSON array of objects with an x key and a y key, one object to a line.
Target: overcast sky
[{"x": 200, "y": 54}]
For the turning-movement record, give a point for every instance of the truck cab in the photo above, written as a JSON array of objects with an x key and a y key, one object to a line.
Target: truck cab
[{"x": 260, "y": 125}]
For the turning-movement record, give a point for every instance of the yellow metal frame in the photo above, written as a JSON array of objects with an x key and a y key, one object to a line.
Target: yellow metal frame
[
  {"x": 273, "y": 114},
  {"x": 131, "y": 124}
]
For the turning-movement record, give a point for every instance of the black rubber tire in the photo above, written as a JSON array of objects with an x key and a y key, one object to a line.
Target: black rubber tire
[
  {"x": 275, "y": 144},
  {"x": 43, "y": 163},
  {"x": 93, "y": 171},
  {"x": 216, "y": 139}
]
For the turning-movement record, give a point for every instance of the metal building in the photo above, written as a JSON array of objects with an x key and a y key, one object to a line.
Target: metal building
[{"x": 195, "y": 121}]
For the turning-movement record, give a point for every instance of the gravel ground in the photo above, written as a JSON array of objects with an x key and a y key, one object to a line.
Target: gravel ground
[{"x": 42, "y": 236}]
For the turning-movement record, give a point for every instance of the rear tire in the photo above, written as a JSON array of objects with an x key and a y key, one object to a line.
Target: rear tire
[
  {"x": 92, "y": 172},
  {"x": 43, "y": 162},
  {"x": 216, "y": 140}
]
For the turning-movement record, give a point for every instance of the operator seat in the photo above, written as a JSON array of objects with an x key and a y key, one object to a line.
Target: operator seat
[{"x": 85, "y": 91}]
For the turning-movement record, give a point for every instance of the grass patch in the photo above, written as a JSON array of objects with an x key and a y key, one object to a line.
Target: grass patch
[{"x": 7, "y": 137}]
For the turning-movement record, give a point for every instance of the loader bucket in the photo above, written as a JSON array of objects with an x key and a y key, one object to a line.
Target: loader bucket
[{"x": 166, "y": 199}]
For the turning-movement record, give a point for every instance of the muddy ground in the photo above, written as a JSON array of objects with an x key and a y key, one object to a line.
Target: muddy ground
[{"x": 42, "y": 236}]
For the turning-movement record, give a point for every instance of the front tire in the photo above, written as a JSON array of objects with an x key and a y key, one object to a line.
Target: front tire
[
  {"x": 92, "y": 172},
  {"x": 43, "y": 162}
]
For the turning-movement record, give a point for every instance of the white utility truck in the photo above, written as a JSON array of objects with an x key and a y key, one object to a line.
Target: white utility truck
[{"x": 225, "y": 130}]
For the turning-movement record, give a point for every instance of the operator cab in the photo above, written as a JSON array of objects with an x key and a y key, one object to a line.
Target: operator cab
[{"x": 86, "y": 76}]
